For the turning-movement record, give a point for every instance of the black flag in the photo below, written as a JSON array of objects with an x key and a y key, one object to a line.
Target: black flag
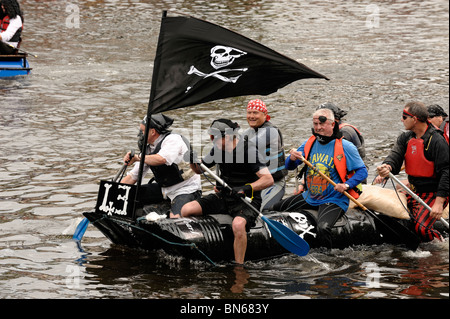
[{"x": 197, "y": 61}]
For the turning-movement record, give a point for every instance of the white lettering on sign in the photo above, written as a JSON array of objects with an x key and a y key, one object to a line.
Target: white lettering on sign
[{"x": 110, "y": 207}]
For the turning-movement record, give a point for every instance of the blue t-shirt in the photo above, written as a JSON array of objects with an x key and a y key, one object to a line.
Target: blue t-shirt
[{"x": 320, "y": 191}]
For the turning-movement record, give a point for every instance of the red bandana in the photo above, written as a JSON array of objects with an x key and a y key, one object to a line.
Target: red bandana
[{"x": 258, "y": 105}]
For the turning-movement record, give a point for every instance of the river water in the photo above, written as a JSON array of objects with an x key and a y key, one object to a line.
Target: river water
[{"x": 68, "y": 124}]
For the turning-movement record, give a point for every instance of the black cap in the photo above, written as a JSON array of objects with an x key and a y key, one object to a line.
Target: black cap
[
  {"x": 159, "y": 122},
  {"x": 221, "y": 127},
  {"x": 436, "y": 110},
  {"x": 338, "y": 113}
]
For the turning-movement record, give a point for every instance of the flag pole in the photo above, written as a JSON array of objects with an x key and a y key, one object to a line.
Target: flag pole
[{"x": 156, "y": 66}]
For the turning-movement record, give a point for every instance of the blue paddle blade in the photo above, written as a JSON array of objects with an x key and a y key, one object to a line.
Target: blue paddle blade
[
  {"x": 287, "y": 237},
  {"x": 81, "y": 229}
]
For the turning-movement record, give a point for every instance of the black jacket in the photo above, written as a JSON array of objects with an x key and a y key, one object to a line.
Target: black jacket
[{"x": 436, "y": 152}]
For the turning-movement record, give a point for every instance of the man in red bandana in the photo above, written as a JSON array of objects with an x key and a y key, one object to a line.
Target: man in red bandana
[{"x": 269, "y": 142}]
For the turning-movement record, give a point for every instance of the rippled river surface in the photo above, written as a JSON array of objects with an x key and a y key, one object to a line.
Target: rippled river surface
[{"x": 69, "y": 123}]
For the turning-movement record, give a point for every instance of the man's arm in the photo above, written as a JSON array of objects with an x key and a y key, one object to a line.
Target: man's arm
[
  {"x": 265, "y": 180},
  {"x": 395, "y": 158},
  {"x": 154, "y": 160}
]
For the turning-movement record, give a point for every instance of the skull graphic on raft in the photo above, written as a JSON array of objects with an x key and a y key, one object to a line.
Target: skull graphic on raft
[
  {"x": 222, "y": 56},
  {"x": 302, "y": 222},
  {"x": 301, "y": 219}
]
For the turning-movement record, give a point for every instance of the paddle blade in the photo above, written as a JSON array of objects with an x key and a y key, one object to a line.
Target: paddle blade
[
  {"x": 287, "y": 237},
  {"x": 81, "y": 229}
]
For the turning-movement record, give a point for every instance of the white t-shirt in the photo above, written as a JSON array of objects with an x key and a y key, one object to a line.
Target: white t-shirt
[
  {"x": 14, "y": 25},
  {"x": 172, "y": 150}
]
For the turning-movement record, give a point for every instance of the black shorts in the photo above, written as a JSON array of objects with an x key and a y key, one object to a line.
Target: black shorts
[
  {"x": 218, "y": 204},
  {"x": 179, "y": 201}
]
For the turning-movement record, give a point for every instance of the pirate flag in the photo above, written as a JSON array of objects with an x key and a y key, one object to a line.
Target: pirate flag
[{"x": 197, "y": 61}]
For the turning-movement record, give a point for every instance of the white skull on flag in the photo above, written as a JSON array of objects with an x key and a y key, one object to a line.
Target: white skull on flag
[{"x": 222, "y": 56}]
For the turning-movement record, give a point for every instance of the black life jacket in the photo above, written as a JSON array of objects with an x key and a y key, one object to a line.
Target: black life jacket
[
  {"x": 167, "y": 175},
  {"x": 270, "y": 153}
]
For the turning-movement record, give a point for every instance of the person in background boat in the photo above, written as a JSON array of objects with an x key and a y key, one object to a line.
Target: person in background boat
[
  {"x": 438, "y": 117},
  {"x": 349, "y": 132},
  {"x": 335, "y": 157},
  {"x": 269, "y": 142},
  {"x": 165, "y": 156},
  {"x": 425, "y": 153},
  {"x": 11, "y": 25},
  {"x": 241, "y": 169}
]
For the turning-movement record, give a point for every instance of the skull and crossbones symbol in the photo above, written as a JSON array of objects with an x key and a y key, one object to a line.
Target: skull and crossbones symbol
[
  {"x": 221, "y": 57},
  {"x": 303, "y": 224}
]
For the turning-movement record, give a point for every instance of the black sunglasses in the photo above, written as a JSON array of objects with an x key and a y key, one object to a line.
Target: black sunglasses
[{"x": 406, "y": 114}]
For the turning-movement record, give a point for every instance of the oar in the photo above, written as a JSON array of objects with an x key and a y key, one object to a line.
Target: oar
[
  {"x": 413, "y": 195},
  {"x": 286, "y": 237},
  {"x": 81, "y": 229},
  {"x": 82, "y": 226},
  {"x": 124, "y": 167},
  {"x": 33, "y": 55},
  {"x": 404, "y": 234}
]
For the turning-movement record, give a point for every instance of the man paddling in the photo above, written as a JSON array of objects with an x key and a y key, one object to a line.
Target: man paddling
[
  {"x": 425, "y": 153},
  {"x": 269, "y": 142},
  {"x": 241, "y": 169},
  {"x": 335, "y": 157},
  {"x": 349, "y": 133},
  {"x": 165, "y": 156}
]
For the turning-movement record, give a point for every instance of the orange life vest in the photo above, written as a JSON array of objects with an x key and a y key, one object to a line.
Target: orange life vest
[
  {"x": 340, "y": 162},
  {"x": 416, "y": 164}
]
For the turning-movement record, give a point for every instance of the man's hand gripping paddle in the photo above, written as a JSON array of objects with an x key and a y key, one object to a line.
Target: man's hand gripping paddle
[{"x": 286, "y": 237}]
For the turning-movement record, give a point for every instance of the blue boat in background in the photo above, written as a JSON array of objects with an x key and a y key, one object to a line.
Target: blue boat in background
[{"x": 14, "y": 65}]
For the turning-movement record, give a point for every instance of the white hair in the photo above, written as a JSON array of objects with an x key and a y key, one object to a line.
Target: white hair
[{"x": 325, "y": 112}]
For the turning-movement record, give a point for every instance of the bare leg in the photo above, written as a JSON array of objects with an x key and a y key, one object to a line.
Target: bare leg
[
  {"x": 240, "y": 239},
  {"x": 191, "y": 209}
]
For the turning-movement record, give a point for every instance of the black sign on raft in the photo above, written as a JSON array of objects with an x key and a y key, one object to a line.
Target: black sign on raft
[{"x": 115, "y": 199}]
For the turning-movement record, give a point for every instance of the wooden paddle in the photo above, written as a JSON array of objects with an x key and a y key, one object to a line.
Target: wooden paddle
[
  {"x": 398, "y": 230},
  {"x": 285, "y": 236}
]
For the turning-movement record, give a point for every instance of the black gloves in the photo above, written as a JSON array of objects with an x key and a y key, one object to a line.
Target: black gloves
[
  {"x": 242, "y": 191},
  {"x": 238, "y": 191}
]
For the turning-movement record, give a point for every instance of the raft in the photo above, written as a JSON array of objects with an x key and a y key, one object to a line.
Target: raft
[
  {"x": 14, "y": 65},
  {"x": 211, "y": 237}
]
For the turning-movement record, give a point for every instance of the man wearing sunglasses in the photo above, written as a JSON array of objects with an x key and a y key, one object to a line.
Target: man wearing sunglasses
[
  {"x": 425, "y": 153},
  {"x": 339, "y": 160}
]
